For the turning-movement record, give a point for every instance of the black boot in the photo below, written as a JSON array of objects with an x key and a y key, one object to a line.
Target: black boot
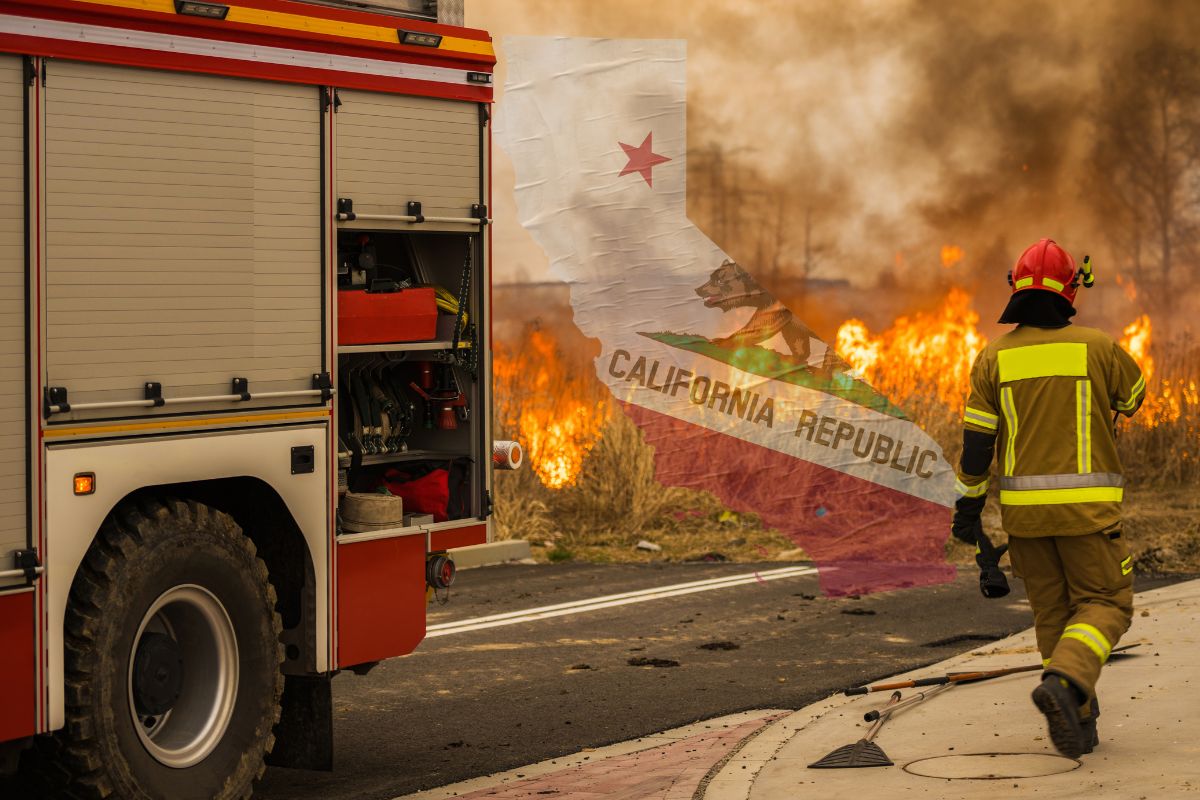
[
  {"x": 1059, "y": 701},
  {"x": 1091, "y": 738}
]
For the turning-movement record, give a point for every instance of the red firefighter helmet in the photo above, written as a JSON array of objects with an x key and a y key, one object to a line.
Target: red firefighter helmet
[{"x": 1045, "y": 266}]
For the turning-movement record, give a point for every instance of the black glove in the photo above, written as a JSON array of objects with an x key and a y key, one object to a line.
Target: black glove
[
  {"x": 992, "y": 581},
  {"x": 966, "y": 519}
]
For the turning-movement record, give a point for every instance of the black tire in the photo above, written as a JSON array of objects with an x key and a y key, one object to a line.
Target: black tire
[{"x": 145, "y": 550}]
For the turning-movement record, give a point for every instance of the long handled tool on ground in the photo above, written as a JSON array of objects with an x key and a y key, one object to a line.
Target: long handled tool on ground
[
  {"x": 864, "y": 752},
  {"x": 966, "y": 677},
  {"x": 890, "y": 709},
  {"x": 952, "y": 677}
]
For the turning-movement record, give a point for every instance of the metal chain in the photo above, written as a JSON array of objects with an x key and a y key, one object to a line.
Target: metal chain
[{"x": 471, "y": 359}]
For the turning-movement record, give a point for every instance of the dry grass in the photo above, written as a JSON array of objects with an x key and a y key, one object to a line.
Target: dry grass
[{"x": 614, "y": 501}]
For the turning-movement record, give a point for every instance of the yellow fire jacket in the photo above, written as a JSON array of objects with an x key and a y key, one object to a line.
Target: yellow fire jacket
[{"x": 1048, "y": 395}]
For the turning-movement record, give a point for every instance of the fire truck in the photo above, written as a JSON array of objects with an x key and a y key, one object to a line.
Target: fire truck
[{"x": 245, "y": 259}]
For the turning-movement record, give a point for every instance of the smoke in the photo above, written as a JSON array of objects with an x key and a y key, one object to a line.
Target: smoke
[{"x": 895, "y": 126}]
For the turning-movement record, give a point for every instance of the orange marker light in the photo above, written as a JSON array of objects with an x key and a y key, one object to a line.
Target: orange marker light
[{"x": 85, "y": 483}]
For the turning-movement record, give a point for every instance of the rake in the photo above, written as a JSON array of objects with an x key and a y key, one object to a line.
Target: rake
[{"x": 863, "y": 753}]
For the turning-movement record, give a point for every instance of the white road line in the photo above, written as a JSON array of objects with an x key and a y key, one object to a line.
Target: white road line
[
  {"x": 614, "y": 600},
  {"x": 744, "y": 576}
]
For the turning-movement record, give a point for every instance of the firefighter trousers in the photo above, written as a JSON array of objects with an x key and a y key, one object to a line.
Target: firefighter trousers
[{"x": 1081, "y": 592}]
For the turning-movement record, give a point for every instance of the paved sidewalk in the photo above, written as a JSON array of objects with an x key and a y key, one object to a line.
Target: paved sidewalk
[
  {"x": 987, "y": 740},
  {"x": 666, "y": 766},
  {"x": 983, "y": 740}
]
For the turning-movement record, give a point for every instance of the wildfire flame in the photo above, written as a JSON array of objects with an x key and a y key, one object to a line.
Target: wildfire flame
[
  {"x": 929, "y": 354},
  {"x": 1136, "y": 341},
  {"x": 923, "y": 352},
  {"x": 1167, "y": 398},
  {"x": 552, "y": 411},
  {"x": 951, "y": 255}
]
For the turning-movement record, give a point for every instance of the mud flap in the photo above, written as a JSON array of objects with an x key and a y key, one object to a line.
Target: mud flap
[{"x": 304, "y": 735}]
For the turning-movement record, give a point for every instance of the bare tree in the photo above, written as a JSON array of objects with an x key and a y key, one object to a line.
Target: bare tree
[{"x": 1146, "y": 162}]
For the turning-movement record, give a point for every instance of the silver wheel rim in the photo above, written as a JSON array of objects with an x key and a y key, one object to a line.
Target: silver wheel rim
[{"x": 185, "y": 734}]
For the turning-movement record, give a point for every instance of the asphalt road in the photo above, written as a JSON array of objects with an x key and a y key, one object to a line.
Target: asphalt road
[{"x": 477, "y": 702}]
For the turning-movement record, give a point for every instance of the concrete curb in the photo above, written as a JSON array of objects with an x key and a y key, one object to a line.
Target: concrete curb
[{"x": 482, "y": 555}]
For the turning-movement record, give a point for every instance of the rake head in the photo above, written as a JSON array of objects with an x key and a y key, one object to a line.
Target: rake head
[{"x": 860, "y": 754}]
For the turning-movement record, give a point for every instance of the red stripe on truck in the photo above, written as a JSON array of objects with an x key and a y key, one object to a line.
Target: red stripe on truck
[
  {"x": 380, "y": 599},
  {"x": 17, "y": 656}
]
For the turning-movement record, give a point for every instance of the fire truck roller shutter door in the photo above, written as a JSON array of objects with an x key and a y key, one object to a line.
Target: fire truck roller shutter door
[
  {"x": 184, "y": 236},
  {"x": 392, "y": 149},
  {"x": 17, "y": 710},
  {"x": 12, "y": 318}
]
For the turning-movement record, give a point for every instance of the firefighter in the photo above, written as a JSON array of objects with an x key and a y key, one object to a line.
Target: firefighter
[{"x": 1041, "y": 402}]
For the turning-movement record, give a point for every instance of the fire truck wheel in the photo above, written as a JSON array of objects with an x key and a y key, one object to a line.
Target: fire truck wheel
[{"x": 173, "y": 658}]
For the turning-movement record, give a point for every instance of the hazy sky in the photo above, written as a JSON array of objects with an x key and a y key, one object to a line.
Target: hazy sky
[{"x": 905, "y": 124}]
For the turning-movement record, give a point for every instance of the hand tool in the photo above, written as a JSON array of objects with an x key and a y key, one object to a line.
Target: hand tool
[
  {"x": 863, "y": 753},
  {"x": 890, "y": 709},
  {"x": 967, "y": 677}
]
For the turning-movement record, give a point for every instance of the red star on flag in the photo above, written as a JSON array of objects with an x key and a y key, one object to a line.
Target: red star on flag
[{"x": 642, "y": 159}]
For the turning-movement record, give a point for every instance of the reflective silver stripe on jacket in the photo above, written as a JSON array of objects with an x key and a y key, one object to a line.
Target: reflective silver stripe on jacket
[{"x": 1087, "y": 480}]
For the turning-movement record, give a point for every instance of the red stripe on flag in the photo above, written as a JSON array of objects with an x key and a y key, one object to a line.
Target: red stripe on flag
[{"x": 876, "y": 538}]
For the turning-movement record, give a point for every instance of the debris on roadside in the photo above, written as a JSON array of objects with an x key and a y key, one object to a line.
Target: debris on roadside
[
  {"x": 719, "y": 646},
  {"x": 709, "y": 558},
  {"x": 859, "y": 612},
  {"x": 650, "y": 547},
  {"x": 642, "y": 661}
]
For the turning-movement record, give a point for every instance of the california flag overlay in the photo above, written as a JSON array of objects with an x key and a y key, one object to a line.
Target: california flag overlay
[{"x": 736, "y": 395}]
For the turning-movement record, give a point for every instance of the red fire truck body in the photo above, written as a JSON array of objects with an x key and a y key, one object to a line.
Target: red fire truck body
[{"x": 186, "y": 188}]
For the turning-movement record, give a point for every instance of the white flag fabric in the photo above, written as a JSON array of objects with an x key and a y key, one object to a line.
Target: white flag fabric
[{"x": 734, "y": 392}]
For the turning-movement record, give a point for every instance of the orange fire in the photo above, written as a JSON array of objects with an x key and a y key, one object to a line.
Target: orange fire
[
  {"x": 1168, "y": 397},
  {"x": 1136, "y": 341},
  {"x": 951, "y": 255},
  {"x": 553, "y": 411},
  {"x": 926, "y": 352}
]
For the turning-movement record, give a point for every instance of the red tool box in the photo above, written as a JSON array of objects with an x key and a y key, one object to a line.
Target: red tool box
[{"x": 406, "y": 315}]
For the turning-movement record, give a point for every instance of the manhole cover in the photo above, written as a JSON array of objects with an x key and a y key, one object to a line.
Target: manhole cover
[{"x": 991, "y": 766}]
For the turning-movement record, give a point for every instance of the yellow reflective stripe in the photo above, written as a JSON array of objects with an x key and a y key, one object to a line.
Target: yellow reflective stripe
[
  {"x": 1043, "y": 361},
  {"x": 1083, "y": 426},
  {"x": 1095, "y": 648},
  {"x": 1023, "y": 282},
  {"x": 1045, "y": 662},
  {"x": 1138, "y": 388},
  {"x": 1049, "y": 497},
  {"x": 980, "y": 418},
  {"x": 1050, "y": 283},
  {"x": 978, "y": 490},
  {"x": 301, "y": 22},
  {"x": 1092, "y": 637},
  {"x": 1010, "y": 425},
  {"x": 1127, "y": 566},
  {"x": 983, "y": 415}
]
